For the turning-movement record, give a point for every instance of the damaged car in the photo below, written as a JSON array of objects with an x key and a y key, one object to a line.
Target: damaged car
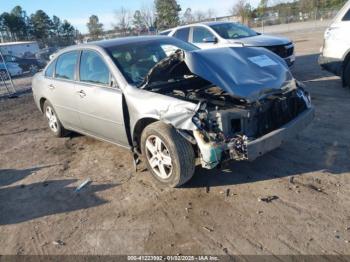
[{"x": 173, "y": 104}]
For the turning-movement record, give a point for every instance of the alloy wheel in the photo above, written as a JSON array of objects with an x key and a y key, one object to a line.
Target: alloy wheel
[{"x": 158, "y": 157}]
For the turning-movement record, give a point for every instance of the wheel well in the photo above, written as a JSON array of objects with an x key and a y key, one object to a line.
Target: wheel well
[
  {"x": 346, "y": 60},
  {"x": 42, "y": 101},
  {"x": 138, "y": 129}
]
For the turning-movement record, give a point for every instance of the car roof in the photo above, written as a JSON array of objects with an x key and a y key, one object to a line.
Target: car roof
[
  {"x": 202, "y": 23},
  {"x": 124, "y": 40}
]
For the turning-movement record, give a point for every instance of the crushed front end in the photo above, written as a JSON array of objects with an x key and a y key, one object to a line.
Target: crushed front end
[
  {"x": 250, "y": 130},
  {"x": 248, "y": 102}
]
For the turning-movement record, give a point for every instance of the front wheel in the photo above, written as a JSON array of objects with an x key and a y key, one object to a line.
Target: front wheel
[{"x": 169, "y": 157}]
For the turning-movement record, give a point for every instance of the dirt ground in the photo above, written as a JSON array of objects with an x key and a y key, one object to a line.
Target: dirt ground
[{"x": 218, "y": 212}]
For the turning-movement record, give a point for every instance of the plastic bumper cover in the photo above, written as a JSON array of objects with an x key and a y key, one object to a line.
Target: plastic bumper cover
[{"x": 274, "y": 139}]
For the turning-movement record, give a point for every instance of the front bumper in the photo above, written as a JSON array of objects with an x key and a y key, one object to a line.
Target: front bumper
[
  {"x": 290, "y": 60},
  {"x": 274, "y": 139},
  {"x": 332, "y": 65}
]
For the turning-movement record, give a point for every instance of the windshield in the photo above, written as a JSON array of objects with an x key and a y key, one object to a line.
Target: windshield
[
  {"x": 135, "y": 60},
  {"x": 233, "y": 30}
]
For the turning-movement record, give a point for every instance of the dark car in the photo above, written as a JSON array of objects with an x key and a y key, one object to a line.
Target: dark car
[{"x": 27, "y": 64}]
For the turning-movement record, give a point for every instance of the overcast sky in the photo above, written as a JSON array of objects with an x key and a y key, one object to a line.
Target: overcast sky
[{"x": 78, "y": 11}]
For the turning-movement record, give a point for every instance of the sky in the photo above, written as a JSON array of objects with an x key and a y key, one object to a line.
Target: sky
[{"x": 78, "y": 11}]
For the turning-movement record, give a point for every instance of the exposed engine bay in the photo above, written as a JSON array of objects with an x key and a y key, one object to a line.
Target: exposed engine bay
[
  {"x": 234, "y": 109},
  {"x": 227, "y": 123}
]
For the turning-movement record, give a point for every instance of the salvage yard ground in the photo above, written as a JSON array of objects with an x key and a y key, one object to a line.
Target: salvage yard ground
[{"x": 294, "y": 200}]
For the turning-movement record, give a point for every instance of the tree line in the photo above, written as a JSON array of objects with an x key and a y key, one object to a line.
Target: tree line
[{"x": 16, "y": 25}]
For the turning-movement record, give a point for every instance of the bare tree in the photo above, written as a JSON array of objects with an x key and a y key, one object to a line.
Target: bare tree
[
  {"x": 211, "y": 13},
  {"x": 199, "y": 16},
  {"x": 242, "y": 9},
  {"x": 124, "y": 19},
  {"x": 148, "y": 17},
  {"x": 187, "y": 16}
]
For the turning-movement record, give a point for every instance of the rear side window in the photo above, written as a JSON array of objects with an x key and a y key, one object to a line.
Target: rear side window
[
  {"x": 200, "y": 33},
  {"x": 65, "y": 65},
  {"x": 93, "y": 69},
  {"x": 182, "y": 34},
  {"x": 50, "y": 69},
  {"x": 347, "y": 16}
]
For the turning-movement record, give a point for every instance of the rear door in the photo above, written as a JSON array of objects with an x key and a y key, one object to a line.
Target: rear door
[
  {"x": 100, "y": 105},
  {"x": 62, "y": 94}
]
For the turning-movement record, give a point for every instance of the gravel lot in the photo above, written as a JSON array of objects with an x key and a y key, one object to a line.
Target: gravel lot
[{"x": 218, "y": 212}]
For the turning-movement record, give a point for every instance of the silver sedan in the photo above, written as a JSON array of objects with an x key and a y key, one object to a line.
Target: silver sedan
[{"x": 172, "y": 104}]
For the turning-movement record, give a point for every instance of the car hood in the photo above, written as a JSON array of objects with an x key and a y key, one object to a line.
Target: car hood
[
  {"x": 247, "y": 73},
  {"x": 261, "y": 40}
]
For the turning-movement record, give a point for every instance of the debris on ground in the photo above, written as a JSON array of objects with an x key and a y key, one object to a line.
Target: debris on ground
[
  {"x": 267, "y": 199},
  {"x": 58, "y": 243},
  {"x": 207, "y": 189},
  {"x": 208, "y": 229},
  {"x": 228, "y": 192},
  {"x": 85, "y": 183}
]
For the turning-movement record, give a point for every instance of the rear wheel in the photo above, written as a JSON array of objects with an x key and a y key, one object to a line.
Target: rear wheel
[
  {"x": 346, "y": 75},
  {"x": 54, "y": 123},
  {"x": 169, "y": 157}
]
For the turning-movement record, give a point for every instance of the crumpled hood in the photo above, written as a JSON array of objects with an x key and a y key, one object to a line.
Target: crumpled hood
[
  {"x": 245, "y": 72},
  {"x": 261, "y": 41}
]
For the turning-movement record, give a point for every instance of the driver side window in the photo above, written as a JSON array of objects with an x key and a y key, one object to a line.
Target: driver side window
[
  {"x": 200, "y": 33},
  {"x": 93, "y": 69}
]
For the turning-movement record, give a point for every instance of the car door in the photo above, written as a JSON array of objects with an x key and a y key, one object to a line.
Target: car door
[
  {"x": 62, "y": 88},
  {"x": 203, "y": 38},
  {"x": 100, "y": 105}
]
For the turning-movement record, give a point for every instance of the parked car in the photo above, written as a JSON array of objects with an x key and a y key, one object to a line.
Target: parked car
[
  {"x": 228, "y": 34},
  {"x": 12, "y": 68},
  {"x": 45, "y": 53},
  {"x": 31, "y": 65},
  {"x": 172, "y": 103},
  {"x": 335, "y": 53}
]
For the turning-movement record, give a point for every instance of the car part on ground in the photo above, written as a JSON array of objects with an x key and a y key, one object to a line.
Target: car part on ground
[
  {"x": 228, "y": 34},
  {"x": 335, "y": 52},
  {"x": 174, "y": 103}
]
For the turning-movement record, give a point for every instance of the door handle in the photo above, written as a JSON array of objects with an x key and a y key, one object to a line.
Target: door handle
[
  {"x": 51, "y": 86},
  {"x": 81, "y": 93}
]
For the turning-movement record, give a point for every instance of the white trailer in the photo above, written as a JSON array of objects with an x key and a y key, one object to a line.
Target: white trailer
[{"x": 19, "y": 49}]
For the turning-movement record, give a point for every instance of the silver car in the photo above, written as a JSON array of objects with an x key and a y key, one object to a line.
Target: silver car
[
  {"x": 172, "y": 104},
  {"x": 228, "y": 34}
]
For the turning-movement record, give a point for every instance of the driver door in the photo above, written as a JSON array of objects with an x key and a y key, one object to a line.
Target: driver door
[
  {"x": 203, "y": 38},
  {"x": 100, "y": 105}
]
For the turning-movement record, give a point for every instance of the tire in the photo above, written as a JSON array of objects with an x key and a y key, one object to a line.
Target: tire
[
  {"x": 173, "y": 148},
  {"x": 346, "y": 75},
  {"x": 54, "y": 123}
]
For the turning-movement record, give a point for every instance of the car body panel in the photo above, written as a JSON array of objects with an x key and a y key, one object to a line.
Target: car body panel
[{"x": 336, "y": 46}]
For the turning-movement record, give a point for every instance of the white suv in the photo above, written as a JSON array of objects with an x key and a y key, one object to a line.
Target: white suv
[
  {"x": 227, "y": 34},
  {"x": 335, "y": 53}
]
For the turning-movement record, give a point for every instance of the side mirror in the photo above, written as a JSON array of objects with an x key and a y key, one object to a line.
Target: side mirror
[
  {"x": 113, "y": 83},
  {"x": 211, "y": 39}
]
